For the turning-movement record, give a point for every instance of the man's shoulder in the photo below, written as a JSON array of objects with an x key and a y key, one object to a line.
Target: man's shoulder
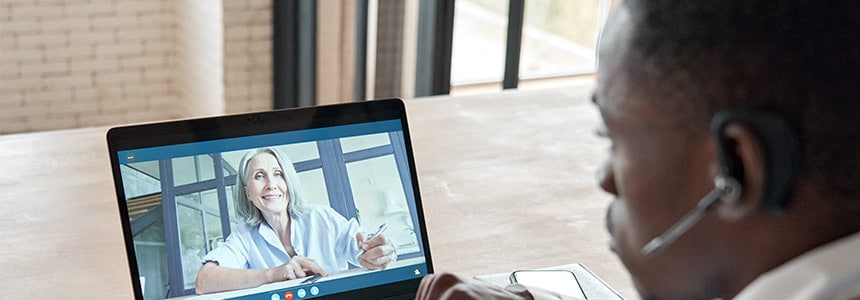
[{"x": 831, "y": 271}]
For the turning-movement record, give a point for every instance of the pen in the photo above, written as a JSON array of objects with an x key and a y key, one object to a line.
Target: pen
[
  {"x": 378, "y": 232},
  {"x": 312, "y": 279}
]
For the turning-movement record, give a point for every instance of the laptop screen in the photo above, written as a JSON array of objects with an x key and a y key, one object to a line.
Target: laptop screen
[{"x": 253, "y": 192}]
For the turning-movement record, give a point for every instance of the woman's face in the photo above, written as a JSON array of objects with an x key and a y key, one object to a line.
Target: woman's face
[{"x": 267, "y": 187}]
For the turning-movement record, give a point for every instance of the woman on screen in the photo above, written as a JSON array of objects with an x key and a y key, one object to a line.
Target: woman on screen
[{"x": 282, "y": 237}]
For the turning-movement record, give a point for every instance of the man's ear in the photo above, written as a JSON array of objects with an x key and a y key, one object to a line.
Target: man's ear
[
  {"x": 761, "y": 151},
  {"x": 748, "y": 158}
]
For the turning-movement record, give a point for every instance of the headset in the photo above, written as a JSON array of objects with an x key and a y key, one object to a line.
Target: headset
[{"x": 782, "y": 158}]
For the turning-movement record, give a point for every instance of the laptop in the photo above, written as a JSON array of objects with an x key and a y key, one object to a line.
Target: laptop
[{"x": 177, "y": 190}]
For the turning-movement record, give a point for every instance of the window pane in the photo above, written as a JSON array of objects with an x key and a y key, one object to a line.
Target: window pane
[
  {"x": 313, "y": 184},
  {"x": 231, "y": 207},
  {"x": 478, "y": 47},
  {"x": 191, "y": 243},
  {"x": 232, "y": 158},
  {"x": 210, "y": 198},
  {"x": 184, "y": 171},
  {"x": 361, "y": 142},
  {"x": 136, "y": 182},
  {"x": 192, "y": 169},
  {"x": 147, "y": 167},
  {"x": 301, "y": 151},
  {"x": 228, "y": 169},
  {"x": 214, "y": 234},
  {"x": 205, "y": 168},
  {"x": 559, "y": 37},
  {"x": 151, "y": 255},
  {"x": 379, "y": 198}
]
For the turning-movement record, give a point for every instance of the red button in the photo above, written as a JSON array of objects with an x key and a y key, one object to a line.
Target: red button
[{"x": 288, "y": 295}]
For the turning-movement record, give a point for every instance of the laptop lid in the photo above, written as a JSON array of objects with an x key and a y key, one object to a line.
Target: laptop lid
[{"x": 179, "y": 189}]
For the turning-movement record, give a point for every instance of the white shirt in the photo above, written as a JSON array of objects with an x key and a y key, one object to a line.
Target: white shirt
[
  {"x": 319, "y": 233},
  {"x": 831, "y": 271}
]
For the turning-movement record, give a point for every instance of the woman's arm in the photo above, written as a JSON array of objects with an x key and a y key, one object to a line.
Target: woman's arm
[{"x": 214, "y": 278}]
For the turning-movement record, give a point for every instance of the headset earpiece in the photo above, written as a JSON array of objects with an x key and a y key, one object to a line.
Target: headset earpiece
[
  {"x": 730, "y": 189},
  {"x": 730, "y": 163}
]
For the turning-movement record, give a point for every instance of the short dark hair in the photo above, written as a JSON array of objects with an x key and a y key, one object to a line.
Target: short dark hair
[{"x": 797, "y": 58}]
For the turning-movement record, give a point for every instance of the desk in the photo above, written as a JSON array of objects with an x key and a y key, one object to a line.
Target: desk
[{"x": 506, "y": 180}]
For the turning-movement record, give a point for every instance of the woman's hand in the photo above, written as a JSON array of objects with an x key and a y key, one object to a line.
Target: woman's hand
[
  {"x": 378, "y": 252},
  {"x": 297, "y": 267}
]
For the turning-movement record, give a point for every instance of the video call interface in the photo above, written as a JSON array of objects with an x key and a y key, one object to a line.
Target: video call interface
[{"x": 180, "y": 201}]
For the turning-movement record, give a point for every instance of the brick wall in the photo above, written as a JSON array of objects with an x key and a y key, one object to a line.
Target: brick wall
[
  {"x": 199, "y": 57},
  {"x": 72, "y": 63},
  {"x": 247, "y": 55},
  {"x": 335, "y": 57}
]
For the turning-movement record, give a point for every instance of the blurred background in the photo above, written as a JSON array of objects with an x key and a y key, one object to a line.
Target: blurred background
[{"x": 82, "y": 63}]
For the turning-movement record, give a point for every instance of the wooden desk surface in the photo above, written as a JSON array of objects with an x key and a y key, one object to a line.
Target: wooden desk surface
[{"x": 507, "y": 182}]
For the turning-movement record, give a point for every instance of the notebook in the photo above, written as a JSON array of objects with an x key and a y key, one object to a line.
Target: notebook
[{"x": 176, "y": 185}]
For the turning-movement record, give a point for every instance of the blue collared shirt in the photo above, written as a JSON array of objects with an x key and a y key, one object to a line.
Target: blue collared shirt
[{"x": 319, "y": 233}]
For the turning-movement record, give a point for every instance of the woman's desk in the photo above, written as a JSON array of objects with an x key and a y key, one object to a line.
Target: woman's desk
[{"x": 506, "y": 180}]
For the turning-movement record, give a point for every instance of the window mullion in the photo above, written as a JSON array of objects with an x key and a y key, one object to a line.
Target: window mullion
[{"x": 336, "y": 178}]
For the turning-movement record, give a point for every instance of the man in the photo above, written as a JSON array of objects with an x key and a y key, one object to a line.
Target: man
[{"x": 764, "y": 96}]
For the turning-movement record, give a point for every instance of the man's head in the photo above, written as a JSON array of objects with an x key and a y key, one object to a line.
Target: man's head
[{"x": 667, "y": 68}]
